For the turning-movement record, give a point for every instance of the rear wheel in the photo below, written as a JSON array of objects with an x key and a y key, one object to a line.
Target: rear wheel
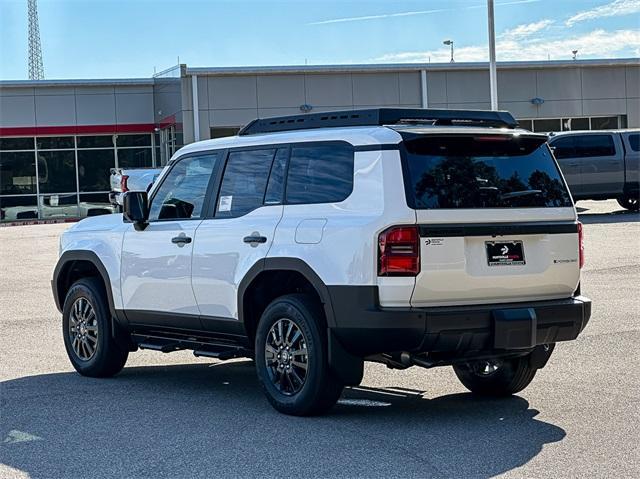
[
  {"x": 291, "y": 357},
  {"x": 629, "y": 202},
  {"x": 496, "y": 377},
  {"x": 86, "y": 327}
]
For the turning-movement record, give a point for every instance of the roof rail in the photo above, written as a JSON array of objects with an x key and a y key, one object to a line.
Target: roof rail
[{"x": 379, "y": 117}]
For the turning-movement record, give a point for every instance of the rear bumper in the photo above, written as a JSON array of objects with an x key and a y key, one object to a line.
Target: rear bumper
[{"x": 363, "y": 328}]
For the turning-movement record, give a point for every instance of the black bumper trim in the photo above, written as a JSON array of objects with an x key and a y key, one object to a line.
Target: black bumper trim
[
  {"x": 364, "y": 328},
  {"x": 496, "y": 229}
]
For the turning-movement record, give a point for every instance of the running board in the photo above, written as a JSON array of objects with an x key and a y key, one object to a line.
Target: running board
[{"x": 202, "y": 347}]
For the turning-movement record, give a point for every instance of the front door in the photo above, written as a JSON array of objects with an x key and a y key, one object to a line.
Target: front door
[
  {"x": 248, "y": 209},
  {"x": 564, "y": 149},
  {"x": 156, "y": 262}
]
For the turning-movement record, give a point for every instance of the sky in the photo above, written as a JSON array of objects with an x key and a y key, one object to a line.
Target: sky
[{"x": 134, "y": 38}]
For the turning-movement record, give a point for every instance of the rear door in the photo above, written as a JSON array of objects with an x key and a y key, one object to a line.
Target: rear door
[
  {"x": 601, "y": 163},
  {"x": 495, "y": 219},
  {"x": 247, "y": 211}
]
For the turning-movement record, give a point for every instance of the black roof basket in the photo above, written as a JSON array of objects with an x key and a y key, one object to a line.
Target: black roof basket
[{"x": 379, "y": 117}]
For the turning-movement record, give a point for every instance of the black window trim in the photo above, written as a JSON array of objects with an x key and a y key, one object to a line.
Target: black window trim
[{"x": 213, "y": 185}]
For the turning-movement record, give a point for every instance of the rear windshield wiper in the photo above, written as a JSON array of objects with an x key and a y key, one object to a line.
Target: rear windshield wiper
[{"x": 518, "y": 194}]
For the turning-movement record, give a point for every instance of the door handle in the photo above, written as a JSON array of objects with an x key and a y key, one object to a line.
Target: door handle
[
  {"x": 255, "y": 239},
  {"x": 181, "y": 240}
]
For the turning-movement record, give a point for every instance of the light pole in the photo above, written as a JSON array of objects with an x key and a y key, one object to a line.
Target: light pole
[
  {"x": 450, "y": 42},
  {"x": 493, "y": 76}
]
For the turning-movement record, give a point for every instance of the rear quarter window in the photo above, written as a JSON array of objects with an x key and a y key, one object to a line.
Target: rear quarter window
[
  {"x": 482, "y": 172},
  {"x": 320, "y": 173},
  {"x": 634, "y": 142}
]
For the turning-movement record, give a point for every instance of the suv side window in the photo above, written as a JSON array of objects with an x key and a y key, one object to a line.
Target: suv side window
[
  {"x": 321, "y": 173},
  {"x": 634, "y": 141},
  {"x": 564, "y": 148},
  {"x": 182, "y": 192},
  {"x": 275, "y": 188},
  {"x": 594, "y": 145},
  {"x": 244, "y": 182}
]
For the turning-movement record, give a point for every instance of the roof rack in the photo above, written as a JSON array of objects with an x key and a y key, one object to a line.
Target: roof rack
[{"x": 379, "y": 117}]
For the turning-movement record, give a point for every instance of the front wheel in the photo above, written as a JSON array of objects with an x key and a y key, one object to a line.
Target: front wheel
[
  {"x": 86, "y": 326},
  {"x": 291, "y": 357},
  {"x": 496, "y": 377},
  {"x": 629, "y": 202}
]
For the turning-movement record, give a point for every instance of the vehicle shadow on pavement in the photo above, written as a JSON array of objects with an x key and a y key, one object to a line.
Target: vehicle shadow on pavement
[{"x": 212, "y": 420}]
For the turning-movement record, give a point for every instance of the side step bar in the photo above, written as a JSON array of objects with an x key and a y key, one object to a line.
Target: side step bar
[{"x": 202, "y": 347}]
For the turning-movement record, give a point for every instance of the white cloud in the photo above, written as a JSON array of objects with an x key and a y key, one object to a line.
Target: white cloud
[
  {"x": 527, "y": 29},
  {"x": 411, "y": 14},
  {"x": 613, "y": 9},
  {"x": 596, "y": 44}
]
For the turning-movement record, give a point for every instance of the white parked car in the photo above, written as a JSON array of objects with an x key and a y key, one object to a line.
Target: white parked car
[{"x": 315, "y": 242}]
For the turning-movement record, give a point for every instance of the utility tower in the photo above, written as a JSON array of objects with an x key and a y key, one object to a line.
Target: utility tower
[{"x": 36, "y": 69}]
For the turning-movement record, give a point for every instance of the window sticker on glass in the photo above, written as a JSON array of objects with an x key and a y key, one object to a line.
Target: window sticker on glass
[{"x": 225, "y": 203}]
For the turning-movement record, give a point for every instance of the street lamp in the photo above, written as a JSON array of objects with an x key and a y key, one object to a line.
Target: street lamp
[{"x": 450, "y": 42}]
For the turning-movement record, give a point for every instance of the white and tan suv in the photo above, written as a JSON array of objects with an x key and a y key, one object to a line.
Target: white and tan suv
[{"x": 312, "y": 243}]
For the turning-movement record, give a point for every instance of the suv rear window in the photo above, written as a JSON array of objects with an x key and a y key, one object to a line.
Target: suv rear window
[{"x": 490, "y": 171}]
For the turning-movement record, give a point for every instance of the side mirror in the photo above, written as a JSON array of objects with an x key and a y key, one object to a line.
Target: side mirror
[{"x": 136, "y": 209}]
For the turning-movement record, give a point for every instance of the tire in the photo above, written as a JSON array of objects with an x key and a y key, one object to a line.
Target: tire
[
  {"x": 510, "y": 376},
  {"x": 629, "y": 202},
  {"x": 97, "y": 354},
  {"x": 319, "y": 389}
]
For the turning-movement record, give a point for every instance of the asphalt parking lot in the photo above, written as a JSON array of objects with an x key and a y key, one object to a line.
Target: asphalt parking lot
[{"x": 172, "y": 415}]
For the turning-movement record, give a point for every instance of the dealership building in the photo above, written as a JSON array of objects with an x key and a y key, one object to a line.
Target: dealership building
[{"x": 59, "y": 138}]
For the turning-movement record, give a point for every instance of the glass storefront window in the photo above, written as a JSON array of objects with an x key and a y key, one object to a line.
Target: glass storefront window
[
  {"x": 546, "y": 126},
  {"x": 95, "y": 204},
  {"x": 93, "y": 169},
  {"x": 526, "y": 124},
  {"x": 55, "y": 142},
  {"x": 134, "y": 158},
  {"x": 100, "y": 141},
  {"x": 604, "y": 123},
  {"x": 16, "y": 144},
  {"x": 133, "y": 140},
  {"x": 17, "y": 172},
  {"x": 575, "y": 124},
  {"x": 13, "y": 208},
  {"x": 59, "y": 206},
  {"x": 57, "y": 171}
]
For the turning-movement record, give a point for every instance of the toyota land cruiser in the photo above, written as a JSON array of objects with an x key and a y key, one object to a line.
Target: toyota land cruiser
[{"x": 316, "y": 242}]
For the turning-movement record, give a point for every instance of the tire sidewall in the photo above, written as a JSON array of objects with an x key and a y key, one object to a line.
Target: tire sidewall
[
  {"x": 87, "y": 289},
  {"x": 280, "y": 309}
]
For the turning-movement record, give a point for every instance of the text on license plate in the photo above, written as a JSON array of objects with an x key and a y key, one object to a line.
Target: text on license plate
[{"x": 504, "y": 253}]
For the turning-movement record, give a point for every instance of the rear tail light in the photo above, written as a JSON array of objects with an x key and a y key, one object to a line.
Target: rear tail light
[
  {"x": 399, "y": 251},
  {"x": 123, "y": 183},
  {"x": 580, "y": 244}
]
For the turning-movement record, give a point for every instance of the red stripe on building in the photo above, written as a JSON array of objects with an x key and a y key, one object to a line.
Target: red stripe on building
[{"x": 77, "y": 130}]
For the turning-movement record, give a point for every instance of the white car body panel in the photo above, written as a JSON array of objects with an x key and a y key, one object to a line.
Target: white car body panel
[
  {"x": 156, "y": 273},
  {"x": 221, "y": 258},
  {"x": 101, "y": 235}
]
